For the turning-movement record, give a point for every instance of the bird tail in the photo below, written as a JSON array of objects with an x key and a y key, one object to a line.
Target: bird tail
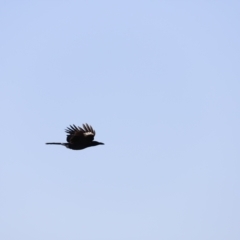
[{"x": 56, "y": 143}]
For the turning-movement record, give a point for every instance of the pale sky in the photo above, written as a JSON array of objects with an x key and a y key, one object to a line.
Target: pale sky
[{"x": 159, "y": 81}]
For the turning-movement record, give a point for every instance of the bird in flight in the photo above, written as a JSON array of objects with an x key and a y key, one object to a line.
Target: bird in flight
[{"x": 79, "y": 138}]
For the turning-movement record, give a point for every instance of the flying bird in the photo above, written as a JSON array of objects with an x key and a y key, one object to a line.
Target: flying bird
[{"x": 79, "y": 138}]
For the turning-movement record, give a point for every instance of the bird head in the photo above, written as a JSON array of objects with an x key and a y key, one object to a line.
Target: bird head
[{"x": 95, "y": 143}]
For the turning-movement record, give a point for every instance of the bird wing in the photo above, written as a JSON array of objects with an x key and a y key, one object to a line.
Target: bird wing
[{"x": 80, "y": 135}]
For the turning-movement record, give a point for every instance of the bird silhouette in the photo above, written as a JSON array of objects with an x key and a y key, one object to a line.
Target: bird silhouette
[{"x": 79, "y": 138}]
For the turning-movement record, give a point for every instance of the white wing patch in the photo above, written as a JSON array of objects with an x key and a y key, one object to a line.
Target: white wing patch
[{"x": 88, "y": 134}]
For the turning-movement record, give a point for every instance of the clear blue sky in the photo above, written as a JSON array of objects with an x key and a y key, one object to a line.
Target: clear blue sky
[{"x": 160, "y": 83}]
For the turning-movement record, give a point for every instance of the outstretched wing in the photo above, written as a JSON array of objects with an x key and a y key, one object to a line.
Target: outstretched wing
[{"x": 78, "y": 135}]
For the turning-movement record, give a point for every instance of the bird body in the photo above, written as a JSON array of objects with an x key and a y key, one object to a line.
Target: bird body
[{"x": 79, "y": 138}]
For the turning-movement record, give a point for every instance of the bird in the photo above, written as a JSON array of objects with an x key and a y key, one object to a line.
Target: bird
[{"x": 79, "y": 138}]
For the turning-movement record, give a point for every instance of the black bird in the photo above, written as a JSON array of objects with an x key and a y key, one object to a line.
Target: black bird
[{"x": 79, "y": 138}]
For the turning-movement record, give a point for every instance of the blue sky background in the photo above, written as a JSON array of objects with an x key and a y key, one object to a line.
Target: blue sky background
[{"x": 159, "y": 82}]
